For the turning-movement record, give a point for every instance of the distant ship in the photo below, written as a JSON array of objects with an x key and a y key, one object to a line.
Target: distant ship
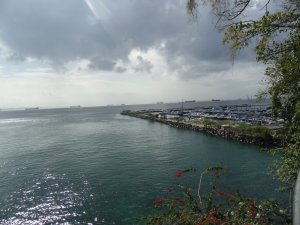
[
  {"x": 75, "y": 106},
  {"x": 215, "y": 100},
  {"x": 190, "y": 101},
  {"x": 33, "y": 108}
]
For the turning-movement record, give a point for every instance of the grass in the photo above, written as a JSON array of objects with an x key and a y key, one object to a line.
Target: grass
[{"x": 241, "y": 128}]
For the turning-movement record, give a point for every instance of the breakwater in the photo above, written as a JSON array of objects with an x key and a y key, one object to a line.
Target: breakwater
[{"x": 226, "y": 132}]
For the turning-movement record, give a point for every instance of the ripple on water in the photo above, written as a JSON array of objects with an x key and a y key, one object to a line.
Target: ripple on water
[
  {"x": 50, "y": 199},
  {"x": 20, "y": 120}
]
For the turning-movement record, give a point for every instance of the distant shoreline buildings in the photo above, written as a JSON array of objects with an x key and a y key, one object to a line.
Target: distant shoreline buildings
[{"x": 255, "y": 114}]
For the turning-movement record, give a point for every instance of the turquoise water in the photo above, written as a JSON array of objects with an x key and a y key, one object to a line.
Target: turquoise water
[{"x": 92, "y": 165}]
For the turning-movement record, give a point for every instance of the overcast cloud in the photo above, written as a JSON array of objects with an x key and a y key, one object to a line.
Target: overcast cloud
[{"x": 134, "y": 40}]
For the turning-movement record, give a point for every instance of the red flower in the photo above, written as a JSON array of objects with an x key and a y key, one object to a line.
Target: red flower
[
  {"x": 219, "y": 193},
  {"x": 170, "y": 189},
  {"x": 158, "y": 201},
  {"x": 180, "y": 200},
  {"x": 212, "y": 219},
  {"x": 199, "y": 223},
  {"x": 251, "y": 212},
  {"x": 178, "y": 173}
]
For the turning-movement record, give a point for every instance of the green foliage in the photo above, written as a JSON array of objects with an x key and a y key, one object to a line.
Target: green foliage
[
  {"x": 240, "y": 128},
  {"x": 179, "y": 119},
  {"x": 287, "y": 168},
  {"x": 211, "y": 123},
  {"x": 251, "y": 130},
  {"x": 183, "y": 206}
]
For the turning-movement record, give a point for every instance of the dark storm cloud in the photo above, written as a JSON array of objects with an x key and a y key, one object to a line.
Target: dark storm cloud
[{"x": 62, "y": 31}]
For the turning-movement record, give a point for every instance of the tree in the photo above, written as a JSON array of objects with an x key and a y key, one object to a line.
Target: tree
[{"x": 276, "y": 34}]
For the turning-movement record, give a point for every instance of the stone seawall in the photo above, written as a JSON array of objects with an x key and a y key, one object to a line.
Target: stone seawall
[{"x": 227, "y": 133}]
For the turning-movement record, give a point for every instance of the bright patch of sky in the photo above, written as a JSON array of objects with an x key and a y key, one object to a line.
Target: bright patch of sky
[{"x": 99, "y": 10}]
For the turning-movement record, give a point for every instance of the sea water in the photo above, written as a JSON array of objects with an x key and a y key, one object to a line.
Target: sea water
[{"x": 93, "y": 165}]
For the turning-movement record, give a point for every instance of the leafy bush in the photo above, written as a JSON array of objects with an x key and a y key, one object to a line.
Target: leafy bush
[{"x": 183, "y": 206}]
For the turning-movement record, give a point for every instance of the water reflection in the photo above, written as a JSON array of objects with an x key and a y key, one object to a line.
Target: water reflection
[{"x": 50, "y": 199}]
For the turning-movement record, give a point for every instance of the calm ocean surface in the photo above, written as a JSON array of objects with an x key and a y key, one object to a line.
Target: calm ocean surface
[{"x": 92, "y": 165}]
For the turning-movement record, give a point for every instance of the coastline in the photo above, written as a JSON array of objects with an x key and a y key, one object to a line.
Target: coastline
[{"x": 226, "y": 132}]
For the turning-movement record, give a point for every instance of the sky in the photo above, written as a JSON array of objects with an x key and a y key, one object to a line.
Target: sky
[{"x": 56, "y": 53}]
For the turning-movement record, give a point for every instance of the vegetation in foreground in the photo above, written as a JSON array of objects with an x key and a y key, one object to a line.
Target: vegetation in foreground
[{"x": 184, "y": 206}]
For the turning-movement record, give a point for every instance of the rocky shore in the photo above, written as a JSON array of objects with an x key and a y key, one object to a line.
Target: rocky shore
[{"x": 224, "y": 132}]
